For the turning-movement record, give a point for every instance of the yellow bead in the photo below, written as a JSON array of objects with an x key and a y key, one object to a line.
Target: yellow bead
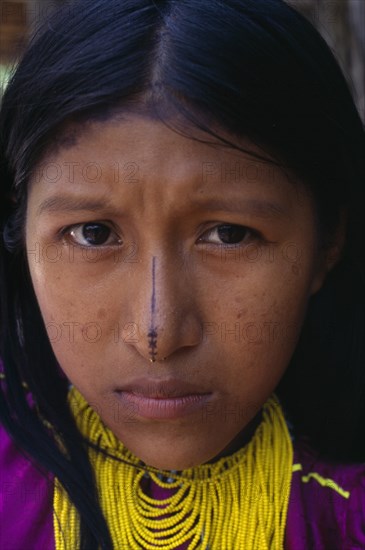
[{"x": 215, "y": 505}]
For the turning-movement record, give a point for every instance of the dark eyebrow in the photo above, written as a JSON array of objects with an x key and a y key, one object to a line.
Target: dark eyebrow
[
  {"x": 259, "y": 207},
  {"x": 67, "y": 204}
]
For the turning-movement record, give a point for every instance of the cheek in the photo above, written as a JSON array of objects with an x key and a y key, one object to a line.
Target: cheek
[
  {"x": 66, "y": 286},
  {"x": 56, "y": 296},
  {"x": 256, "y": 327},
  {"x": 75, "y": 332},
  {"x": 265, "y": 300}
]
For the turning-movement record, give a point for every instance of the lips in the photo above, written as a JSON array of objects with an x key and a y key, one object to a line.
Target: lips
[
  {"x": 162, "y": 389},
  {"x": 162, "y": 399}
]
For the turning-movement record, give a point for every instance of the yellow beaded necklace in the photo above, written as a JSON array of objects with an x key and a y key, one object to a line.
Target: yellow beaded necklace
[{"x": 239, "y": 501}]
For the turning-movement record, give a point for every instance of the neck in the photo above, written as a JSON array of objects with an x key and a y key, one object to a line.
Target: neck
[{"x": 241, "y": 439}]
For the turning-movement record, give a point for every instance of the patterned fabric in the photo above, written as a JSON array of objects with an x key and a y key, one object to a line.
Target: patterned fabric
[{"x": 326, "y": 507}]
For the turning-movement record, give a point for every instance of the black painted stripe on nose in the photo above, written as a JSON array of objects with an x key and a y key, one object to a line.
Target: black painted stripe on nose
[{"x": 152, "y": 333}]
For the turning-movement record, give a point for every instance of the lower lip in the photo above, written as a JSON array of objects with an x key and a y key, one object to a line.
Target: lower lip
[{"x": 162, "y": 409}]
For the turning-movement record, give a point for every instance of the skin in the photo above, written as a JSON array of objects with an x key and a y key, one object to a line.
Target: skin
[{"x": 258, "y": 289}]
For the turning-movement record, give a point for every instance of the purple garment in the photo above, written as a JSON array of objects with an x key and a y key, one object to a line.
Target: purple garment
[
  {"x": 26, "y": 521},
  {"x": 319, "y": 517}
]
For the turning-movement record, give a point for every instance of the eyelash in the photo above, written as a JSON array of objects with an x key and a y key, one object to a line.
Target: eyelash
[
  {"x": 249, "y": 235},
  {"x": 66, "y": 234}
]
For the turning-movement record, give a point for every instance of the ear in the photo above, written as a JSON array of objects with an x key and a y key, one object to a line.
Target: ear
[{"x": 330, "y": 255}]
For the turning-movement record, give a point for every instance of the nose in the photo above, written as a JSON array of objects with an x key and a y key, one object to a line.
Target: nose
[{"x": 163, "y": 307}]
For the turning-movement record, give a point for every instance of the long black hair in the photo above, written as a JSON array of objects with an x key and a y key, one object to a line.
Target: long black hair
[{"x": 254, "y": 68}]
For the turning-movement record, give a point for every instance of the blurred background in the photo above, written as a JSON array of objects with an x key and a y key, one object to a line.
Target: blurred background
[{"x": 341, "y": 22}]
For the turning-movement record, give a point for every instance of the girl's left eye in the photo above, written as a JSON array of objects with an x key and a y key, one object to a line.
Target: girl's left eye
[
  {"x": 92, "y": 234},
  {"x": 228, "y": 234}
]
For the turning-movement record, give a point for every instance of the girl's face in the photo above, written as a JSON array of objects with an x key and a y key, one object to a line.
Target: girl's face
[{"x": 144, "y": 244}]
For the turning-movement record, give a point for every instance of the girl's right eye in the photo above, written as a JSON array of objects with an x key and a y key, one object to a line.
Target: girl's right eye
[{"x": 92, "y": 234}]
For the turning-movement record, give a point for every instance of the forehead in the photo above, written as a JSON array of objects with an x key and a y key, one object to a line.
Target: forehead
[
  {"x": 152, "y": 143},
  {"x": 133, "y": 160}
]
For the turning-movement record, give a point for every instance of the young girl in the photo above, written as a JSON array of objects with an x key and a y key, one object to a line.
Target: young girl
[{"x": 181, "y": 283}]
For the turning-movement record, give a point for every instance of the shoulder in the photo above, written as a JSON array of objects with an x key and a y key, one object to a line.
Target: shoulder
[
  {"x": 327, "y": 503},
  {"x": 25, "y": 500}
]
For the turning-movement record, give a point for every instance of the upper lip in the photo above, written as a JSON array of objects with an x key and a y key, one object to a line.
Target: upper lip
[{"x": 162, "y": 389}]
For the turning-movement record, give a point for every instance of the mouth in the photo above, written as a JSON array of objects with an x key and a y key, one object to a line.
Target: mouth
[
  {"x": 162, "y": 389},
  {"x": 162, "y": 408},
  {"x": 162, "y": 400}
]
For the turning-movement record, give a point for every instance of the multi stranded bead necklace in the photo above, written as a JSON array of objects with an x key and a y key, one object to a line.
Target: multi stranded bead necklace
[{"x": 239, "y": 501}]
